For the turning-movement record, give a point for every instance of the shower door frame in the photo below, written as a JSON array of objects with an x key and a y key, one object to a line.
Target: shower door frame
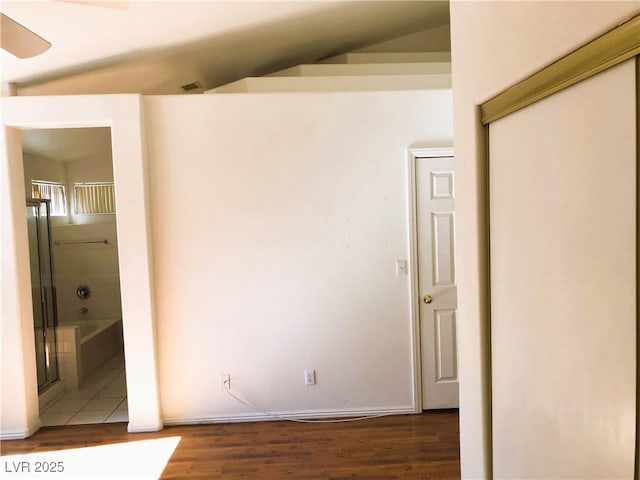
[{"x": 49, "y": 322}]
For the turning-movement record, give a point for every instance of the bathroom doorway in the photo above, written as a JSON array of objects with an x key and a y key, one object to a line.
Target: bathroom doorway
[{"x": 71, "y": 171}]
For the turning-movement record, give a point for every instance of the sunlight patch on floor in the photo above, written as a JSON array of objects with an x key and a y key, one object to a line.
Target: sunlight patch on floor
[{"x": 144, "y": 459}]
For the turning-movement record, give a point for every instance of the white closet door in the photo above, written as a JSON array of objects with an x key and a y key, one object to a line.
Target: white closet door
[
  {"x": 437, "y": 280},
  {"x": 563, "y": 283}
]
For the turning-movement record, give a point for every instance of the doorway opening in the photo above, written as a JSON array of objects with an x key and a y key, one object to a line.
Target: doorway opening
[{"x": 68, "y": 174}]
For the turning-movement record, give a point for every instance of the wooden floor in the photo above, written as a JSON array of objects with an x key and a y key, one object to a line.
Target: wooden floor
[{"x": 395, "y": 447}]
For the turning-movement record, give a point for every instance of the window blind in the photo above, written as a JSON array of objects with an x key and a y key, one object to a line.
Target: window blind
[
  {"x": 52, "y": 191},
  {"x": 94, "y": 198}
]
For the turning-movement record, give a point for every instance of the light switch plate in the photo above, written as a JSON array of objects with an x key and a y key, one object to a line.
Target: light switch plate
[{"x": 401, "y": 267}]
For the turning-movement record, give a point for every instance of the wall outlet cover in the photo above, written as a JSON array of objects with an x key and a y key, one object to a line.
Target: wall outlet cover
[{"x": 309, "y": 377}]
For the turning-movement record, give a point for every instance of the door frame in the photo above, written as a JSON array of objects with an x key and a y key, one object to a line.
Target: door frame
[
  {"x": 124, "y": 115},
  {"x": 415, "y": 153}
]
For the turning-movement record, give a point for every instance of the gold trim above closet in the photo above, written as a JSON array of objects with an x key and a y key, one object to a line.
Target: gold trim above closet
[{"x": 606, "y": 51}]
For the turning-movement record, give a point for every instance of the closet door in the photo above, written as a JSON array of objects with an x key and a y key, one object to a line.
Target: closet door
[{"x": 563, "y": 283}]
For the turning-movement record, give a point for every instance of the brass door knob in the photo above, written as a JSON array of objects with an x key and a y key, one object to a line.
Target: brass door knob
[{"x": 427, "y": 299}]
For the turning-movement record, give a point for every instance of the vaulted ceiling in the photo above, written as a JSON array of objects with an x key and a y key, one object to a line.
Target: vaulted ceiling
[{"x": 155, "y": 47}]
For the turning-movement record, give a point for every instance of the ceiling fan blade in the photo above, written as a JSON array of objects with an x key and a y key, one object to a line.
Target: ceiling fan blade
[
  {"x": 121, "y": 4},
  {"x": 19, "y": 40}
]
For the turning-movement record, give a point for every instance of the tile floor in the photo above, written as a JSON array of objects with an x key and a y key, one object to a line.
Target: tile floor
[{"x": 102, "y": 399}]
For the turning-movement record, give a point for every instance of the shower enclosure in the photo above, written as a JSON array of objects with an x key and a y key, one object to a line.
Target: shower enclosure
[{"x": 43, "y": 291}]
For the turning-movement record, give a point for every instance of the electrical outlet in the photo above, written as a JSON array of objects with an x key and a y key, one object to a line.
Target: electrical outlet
[
  {"x": 309, "y": 377},
  {"x": 225, "y": 378}
]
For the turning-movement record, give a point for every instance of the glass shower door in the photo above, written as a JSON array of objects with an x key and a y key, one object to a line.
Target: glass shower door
[{"x": 43, "y": 292}]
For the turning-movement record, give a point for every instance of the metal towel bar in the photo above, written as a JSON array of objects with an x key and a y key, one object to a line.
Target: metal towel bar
[{"x": 73, "y": 242}]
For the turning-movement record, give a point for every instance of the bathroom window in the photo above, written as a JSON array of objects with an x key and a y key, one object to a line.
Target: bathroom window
[
  {"x": 94, "y": 198},
  {"x": 52, "y": 191}
]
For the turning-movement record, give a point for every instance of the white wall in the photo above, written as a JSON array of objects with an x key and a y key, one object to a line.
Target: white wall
[
  {"x": 436, "y": 39},
  {"x": 91, "y": 264},
  {"x": 282, "y": 261},
  {"x": 344, "y": 83},
  {"x": 276, "y": 222},
  {"x": 95, "y": 265},
  {"x": 40, "y": 168},
  {"x": 19, "y": 397},
  {"x": 495, "y": 44}
]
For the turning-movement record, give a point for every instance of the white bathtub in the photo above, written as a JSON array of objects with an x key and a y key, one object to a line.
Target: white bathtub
[
  {"x": 90, "y": 328},
  {"x": 86, "y": 346}
]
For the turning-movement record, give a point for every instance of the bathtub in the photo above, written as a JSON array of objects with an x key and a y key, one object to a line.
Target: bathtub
[{"x": 86, "y": 346}]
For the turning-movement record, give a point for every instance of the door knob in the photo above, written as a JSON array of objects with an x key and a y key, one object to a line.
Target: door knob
[{"x": 427, "y": 299}]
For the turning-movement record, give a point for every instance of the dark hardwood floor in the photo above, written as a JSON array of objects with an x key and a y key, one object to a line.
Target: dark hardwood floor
[{"x": 422, "y": 446}]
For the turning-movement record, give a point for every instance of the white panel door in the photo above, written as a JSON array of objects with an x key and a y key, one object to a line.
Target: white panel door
[
  {"x": 563, "y": 285},
  {"x": 435, "y": 205}
]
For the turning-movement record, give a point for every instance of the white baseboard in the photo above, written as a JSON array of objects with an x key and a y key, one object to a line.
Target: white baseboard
[
  {"x": 291, "y": 414},
  {"x": 20, "y": 434},
  {"x": 155, "y": 427}
]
